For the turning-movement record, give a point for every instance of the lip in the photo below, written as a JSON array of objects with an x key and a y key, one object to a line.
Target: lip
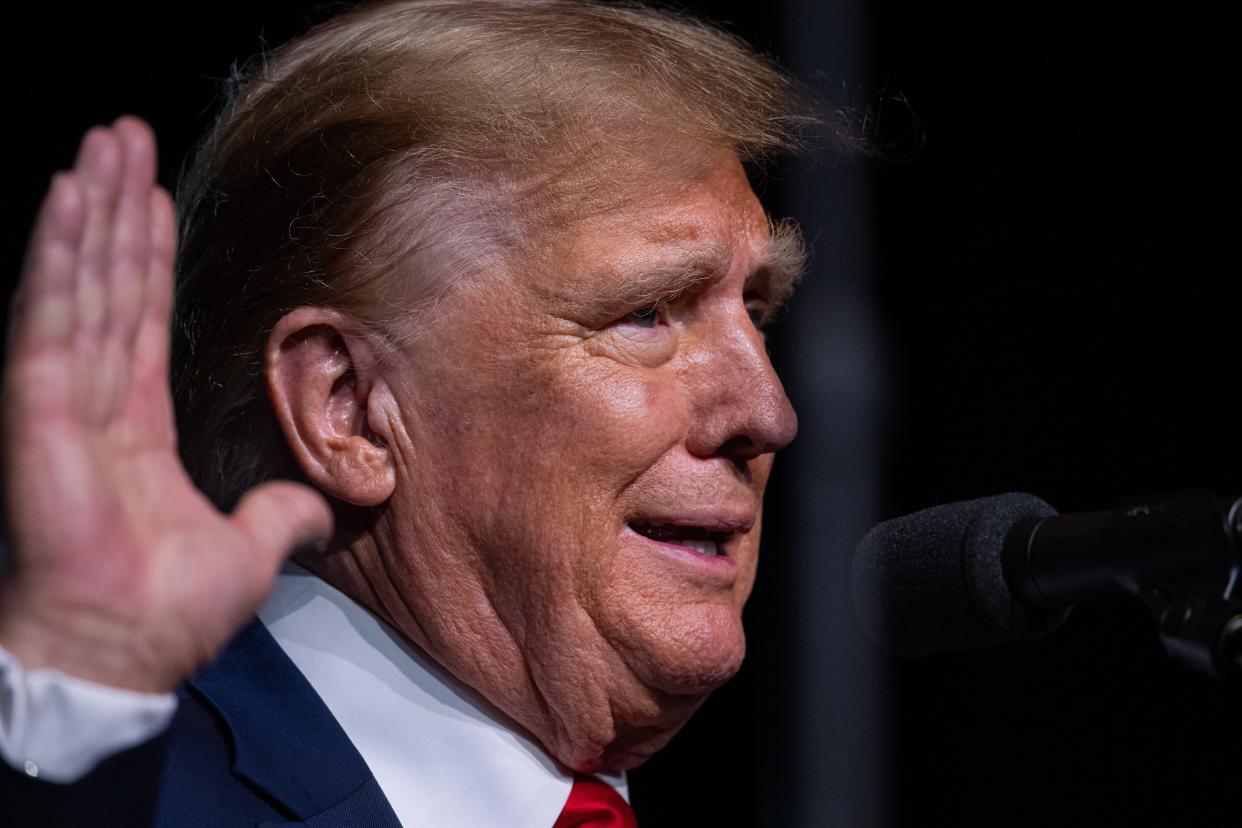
[
  {"x": 719, "y": 570},
  {"x": 721, "y": 524}
]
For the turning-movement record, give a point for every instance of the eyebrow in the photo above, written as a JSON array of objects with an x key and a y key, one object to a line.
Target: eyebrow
[
  {"x": 777, "y": 270},
  {"x": 781, "y": 265},
  {"x": 686, "y": 271}
]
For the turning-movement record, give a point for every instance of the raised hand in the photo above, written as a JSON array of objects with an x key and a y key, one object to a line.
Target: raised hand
[{"x": 121, "y": 571}]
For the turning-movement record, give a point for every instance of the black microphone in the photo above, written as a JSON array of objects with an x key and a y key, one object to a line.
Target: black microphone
[{"x": 1008, "y": 568}]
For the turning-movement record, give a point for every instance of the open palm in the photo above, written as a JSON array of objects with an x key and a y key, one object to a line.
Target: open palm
[{"x": 121, "y": 571}]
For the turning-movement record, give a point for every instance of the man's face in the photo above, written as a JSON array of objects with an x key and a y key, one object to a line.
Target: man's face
[{"x": 582, "y": 456}]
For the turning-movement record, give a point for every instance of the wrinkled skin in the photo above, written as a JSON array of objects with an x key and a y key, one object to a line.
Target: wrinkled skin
[
  {"x": 511, "y": 451},
  {"x": 534, "y": 422}
]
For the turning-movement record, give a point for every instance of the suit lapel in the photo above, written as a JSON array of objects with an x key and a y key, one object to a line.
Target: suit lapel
[
  {"x": 364, "y": 807},
  {"x": 285, "y": 740}
]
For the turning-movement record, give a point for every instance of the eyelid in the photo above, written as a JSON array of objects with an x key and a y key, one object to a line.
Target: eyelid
[
  {"x": 656, "y": 329},
  {"x": 655, "y": 310}
]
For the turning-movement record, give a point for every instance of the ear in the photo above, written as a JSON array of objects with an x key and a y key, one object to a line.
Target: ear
[{"x": 321, "y": 371}]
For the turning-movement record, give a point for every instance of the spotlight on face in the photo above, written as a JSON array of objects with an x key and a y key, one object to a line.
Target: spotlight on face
[{"x": 583, "y": 447}]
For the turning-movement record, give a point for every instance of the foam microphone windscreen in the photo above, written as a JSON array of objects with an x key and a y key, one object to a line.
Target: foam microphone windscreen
[{"x": 932, "y": 582}]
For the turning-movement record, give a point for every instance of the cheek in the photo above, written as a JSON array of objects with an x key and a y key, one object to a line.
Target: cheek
[
  {"x": 532, "y": 461},
  {"x": 600, "y": 426},
  {"x": 635, "y": 420}
]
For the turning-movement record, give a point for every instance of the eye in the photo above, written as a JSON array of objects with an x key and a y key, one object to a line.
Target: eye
[
  {"x": 649, "y": 327},
  {"x": 645, "y": 317},
  {"x": 643, "y": 336}
]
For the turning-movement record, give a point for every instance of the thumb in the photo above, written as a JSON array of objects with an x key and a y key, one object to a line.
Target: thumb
[{"x": 280, "y": 516}]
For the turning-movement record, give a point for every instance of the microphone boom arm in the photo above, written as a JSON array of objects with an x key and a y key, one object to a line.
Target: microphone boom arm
[{"x": 1195, "y": 594}]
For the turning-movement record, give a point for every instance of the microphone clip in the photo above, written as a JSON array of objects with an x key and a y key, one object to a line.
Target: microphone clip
[
  {"x": 1198, "y": 611},
  {"x": 1180, "y": 554}
]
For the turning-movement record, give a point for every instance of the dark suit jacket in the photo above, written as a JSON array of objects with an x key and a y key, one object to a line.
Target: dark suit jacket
[{"x": 251, "y": 745}]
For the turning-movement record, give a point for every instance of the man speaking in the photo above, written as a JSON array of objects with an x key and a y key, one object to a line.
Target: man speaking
[{"x": 468, "y": 317}]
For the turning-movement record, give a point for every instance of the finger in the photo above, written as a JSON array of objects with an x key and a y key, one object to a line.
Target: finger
[
  {"x": 278, "y": 517},
  {"x": 125, "y": 268},
  {"x": 43, "y": 308},
  {"x": 151, "y": 348},
  {"x": 153, "y": 333},
  {"x": 98, "y": 165},
  {"x": 127, "y": 263}
]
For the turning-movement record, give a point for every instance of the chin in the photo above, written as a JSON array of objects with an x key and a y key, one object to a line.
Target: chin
[
  {"x": 691, "y": 654},
  {"x": 671, "y": 664},
  {"x": 680, "y": 680}
]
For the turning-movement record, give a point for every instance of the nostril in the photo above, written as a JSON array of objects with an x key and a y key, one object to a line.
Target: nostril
[
  {"x": 739, "y": 451},
  {"x": 741, "y": 447}
]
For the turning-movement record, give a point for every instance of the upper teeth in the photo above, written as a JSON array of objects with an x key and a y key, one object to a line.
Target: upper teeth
[{"x": 703, "y": 547}]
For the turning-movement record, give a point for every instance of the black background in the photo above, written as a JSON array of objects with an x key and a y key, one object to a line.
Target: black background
[{"x": 1056, "y": 282}]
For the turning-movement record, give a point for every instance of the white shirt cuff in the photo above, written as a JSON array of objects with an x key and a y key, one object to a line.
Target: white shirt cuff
[{"x": 58, "y": 727}]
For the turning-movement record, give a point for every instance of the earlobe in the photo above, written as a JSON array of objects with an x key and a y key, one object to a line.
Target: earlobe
[{"x": 322, "y": 383}]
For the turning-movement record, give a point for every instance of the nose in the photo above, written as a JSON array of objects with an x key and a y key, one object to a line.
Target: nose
[{"x": 740, "y": 410}]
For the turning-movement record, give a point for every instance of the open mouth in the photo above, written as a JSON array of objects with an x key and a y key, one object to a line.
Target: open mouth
[{"x": 694, "y": 538}]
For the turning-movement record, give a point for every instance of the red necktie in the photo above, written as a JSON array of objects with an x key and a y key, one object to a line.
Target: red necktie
[{"x": 595, "y": 804}]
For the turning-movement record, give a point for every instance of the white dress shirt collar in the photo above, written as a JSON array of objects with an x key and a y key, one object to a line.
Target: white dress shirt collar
[{"x": 441, "y": 754}]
